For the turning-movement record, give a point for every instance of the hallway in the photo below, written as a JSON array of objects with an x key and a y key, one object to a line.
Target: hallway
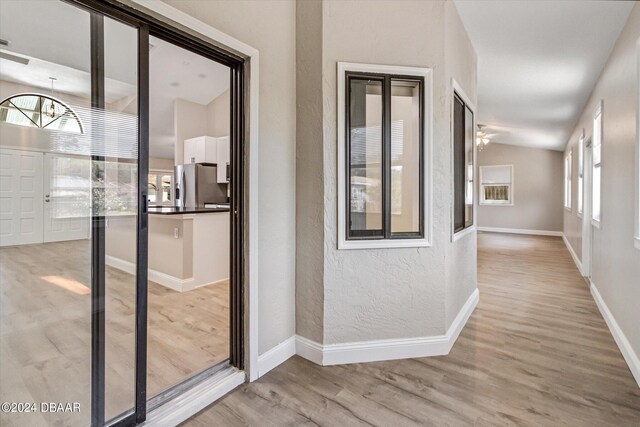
[{"x": 535, "y": 351}]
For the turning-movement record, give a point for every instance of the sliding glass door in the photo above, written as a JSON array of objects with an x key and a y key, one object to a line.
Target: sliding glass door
[
  {"x": 71, "y": 170},
  {"x": 74, "y": 156}
]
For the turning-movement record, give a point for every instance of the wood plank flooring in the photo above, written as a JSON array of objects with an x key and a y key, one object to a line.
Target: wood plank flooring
[
  {"x": 45, "y": 332},
  {"x": 535, "y": 352}
]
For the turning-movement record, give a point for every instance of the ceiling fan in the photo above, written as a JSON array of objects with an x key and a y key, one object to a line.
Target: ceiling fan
[{"x": 482, "y": 138}]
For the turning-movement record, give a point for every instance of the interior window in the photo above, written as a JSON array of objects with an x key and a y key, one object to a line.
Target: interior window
[
  {"x": 496, "y": 185},
  {"x": 41, "y": 111}
]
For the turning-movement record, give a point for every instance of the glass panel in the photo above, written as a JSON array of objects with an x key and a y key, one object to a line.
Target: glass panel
[
  {"x": 153, "y": 189},
  {"x": 120, "y": 168},
  {"x": 405, "y": 156},
  {"x": 365, "y": 156},
  {"x": 50, "y": 111},
  {"x": 166, "y": 189},
  {"x": 459, "y": 166},
  {"x": 596, "y": 192},
  {"x": 469, "y": 166},
  {"x": 45, "y": 247},
  {"x": 496, "y": 193}
]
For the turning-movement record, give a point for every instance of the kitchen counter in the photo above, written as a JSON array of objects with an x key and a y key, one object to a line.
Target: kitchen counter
[
  {"x": 188, "y": 248},
  {"x": 173, "y": 210}
]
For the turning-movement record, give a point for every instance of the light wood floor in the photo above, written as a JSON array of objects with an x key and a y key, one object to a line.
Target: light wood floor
[
  {"x": 45, "y": 332},
  {"x": 535, "y": 352}
]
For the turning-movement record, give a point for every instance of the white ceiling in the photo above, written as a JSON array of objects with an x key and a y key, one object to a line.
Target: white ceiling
[
  {"x": 54, "y": 37},
  {"x": 538, "y": 62},
  {"x": 177, "y": 73}
]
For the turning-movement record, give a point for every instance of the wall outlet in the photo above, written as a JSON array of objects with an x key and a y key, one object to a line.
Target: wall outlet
[{"x": 176, "y": 233}]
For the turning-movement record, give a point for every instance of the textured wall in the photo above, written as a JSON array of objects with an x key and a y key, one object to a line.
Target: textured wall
[
  {"x": 391, "y": 293},
  {"x": 309, "y": 161},
  {"x": 538, "y": 188},
  {"x": 268, "y": 26},
  {"x": 616, "y": 263},
  {"x": 461, "y": 64}
]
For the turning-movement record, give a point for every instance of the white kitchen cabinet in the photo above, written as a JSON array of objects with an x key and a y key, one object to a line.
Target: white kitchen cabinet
[
  {"x": 207, "y": 149},
  {"x": 203, "y": 149},
  {"x": 224, "y": 158}
]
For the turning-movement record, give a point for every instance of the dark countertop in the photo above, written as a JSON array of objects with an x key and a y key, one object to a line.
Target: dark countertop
[{"x": 172, "y": 210}]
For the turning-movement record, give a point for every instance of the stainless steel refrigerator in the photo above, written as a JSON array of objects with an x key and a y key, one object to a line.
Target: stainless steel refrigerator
[{"x": 197, "y": 184}]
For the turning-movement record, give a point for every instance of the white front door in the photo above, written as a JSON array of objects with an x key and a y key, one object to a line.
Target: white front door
[
  {"x": 20, "y": 197},
  {"x": 67, "y": 197}
]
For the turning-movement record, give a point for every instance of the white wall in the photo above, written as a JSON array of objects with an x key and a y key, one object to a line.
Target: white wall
[
  {"x": 190, "y": 121},
  {"x": 268, "y": 26},
  {"x": 219, "y": 115},
  {"x": 538, "y": 188},
  {"x": 616, "y": 263}
]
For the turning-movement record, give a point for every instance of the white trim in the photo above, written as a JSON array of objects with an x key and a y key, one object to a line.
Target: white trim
[
  {"x": 253, "y": 57},
  {"x": 621, "y": 340},
  {"x": 427, "y": 74},
  {"x": 521, "y": 231},
  {"x": 277, "y": 355},
  {"x": 370, "y": 351},
  {"x": 576, "y": 260},
  {"x": 456, "y": 89},
  {"x": 568, "y": 180},
  {"x": 192, "y": 401},
  {"x": 460, "y": 234},
  {"x": 166, "y": 280},
  {"x": 637, "y": 184},
  {"x": 597, "y": 113}
]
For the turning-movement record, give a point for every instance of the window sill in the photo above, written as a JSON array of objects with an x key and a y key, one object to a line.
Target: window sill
[
  {"x": 383, "y": 244},
  {"x": 636, "y": 242},
  {"x": 596, "y": 223},
  {"x": 460, "y": 234},
  {"x": 495, "y": 204},
  {"x": 567, "y": 208}
]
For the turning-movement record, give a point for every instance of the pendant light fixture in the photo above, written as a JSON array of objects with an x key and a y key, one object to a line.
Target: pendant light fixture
[{"x": 51, "y": 110}]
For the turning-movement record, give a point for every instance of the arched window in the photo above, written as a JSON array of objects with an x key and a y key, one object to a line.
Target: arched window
[{"x": 41, "y": 111}]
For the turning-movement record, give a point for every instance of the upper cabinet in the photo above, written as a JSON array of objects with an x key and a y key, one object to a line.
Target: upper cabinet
[
  {"x": 203, "y": 149},
  {"x": 224, "y": 158},
  {"x": 207, "y": 149}
]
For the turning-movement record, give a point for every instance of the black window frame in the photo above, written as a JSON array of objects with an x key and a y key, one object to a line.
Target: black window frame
[
  {"x": 459, "y": 165},
  {"x": 385, "y": 232}
]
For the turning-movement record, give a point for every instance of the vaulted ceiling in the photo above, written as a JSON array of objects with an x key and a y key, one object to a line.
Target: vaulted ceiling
[{"x": 538, "y": 62}]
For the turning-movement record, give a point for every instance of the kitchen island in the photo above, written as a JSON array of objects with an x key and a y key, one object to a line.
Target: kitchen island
[{"x": 188, "y": 247}]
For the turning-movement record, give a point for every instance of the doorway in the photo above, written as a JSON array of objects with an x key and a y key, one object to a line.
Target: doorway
[{"x": 82, "y": 138}]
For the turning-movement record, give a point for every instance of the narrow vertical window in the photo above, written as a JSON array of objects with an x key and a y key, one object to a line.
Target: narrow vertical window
[
  {"x": 463, "y": 164},
  {"x": 385, "y": 158},
  {"x": 597, "y": 167},
  {"x": 581, "y": 175},
  {"x": 365, "y": 158},
  {"x": 568, "y": 163}
]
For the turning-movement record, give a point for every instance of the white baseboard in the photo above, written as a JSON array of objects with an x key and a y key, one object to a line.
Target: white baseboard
[
  {"x": 572, "y": 252},
  {"x": 629, "y": 355},
  {"x": 171, "y": 282},
  {"x": 370, "y": 351},
  {"x": 521, "y": 231},
  {"x": 192, "y": 401},
  {"x": 276, "y": 355}
]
